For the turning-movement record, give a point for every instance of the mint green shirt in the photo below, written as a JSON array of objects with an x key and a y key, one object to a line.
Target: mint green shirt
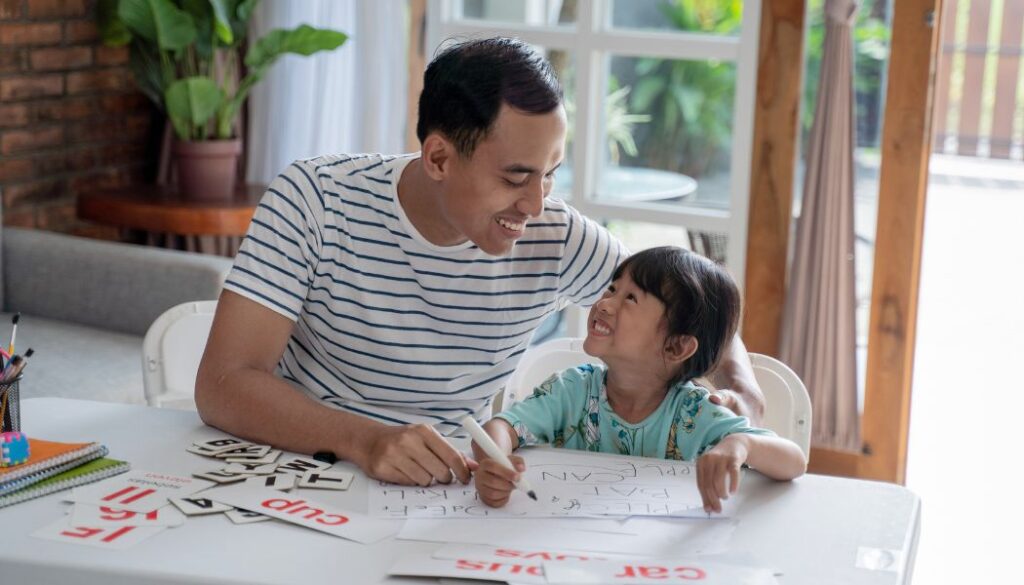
[{"x": 570, "y": 409}]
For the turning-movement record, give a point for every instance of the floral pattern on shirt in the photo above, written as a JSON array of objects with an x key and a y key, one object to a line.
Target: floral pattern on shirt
[{"x": 571, "y": 410}]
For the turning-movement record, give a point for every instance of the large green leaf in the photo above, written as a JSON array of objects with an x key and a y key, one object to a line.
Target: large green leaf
[
  {"x": 222, "y": 20},
  {"x": 160, "y": 21},
  {"x": 240, "y": 11},
  {"x": 190, "y": 103},
  {"x": 244, "y": 8},
  {"x": 144, "y": 61},
  {"x": 202, "y": 16},
  {"x": 304, "y": 40},
  {"x": 112, "y": 29}
]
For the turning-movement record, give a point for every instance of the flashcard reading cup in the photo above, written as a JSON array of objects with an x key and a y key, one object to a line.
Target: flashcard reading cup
[{"x": 300, "y": 510}]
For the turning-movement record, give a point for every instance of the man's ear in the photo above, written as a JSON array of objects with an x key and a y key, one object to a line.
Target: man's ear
[
  {"x": 437, "y": 156},
  {"x": 679, "y": 348}
]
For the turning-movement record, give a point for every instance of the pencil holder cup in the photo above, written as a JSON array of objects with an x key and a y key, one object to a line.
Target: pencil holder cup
[{"x": 10, "y": 406}]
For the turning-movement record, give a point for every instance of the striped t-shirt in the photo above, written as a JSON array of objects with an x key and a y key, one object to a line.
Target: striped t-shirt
[{"x": 389, "y": 325}]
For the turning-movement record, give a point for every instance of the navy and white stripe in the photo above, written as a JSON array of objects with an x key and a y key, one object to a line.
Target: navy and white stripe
[{"x": 388, "y": 325}]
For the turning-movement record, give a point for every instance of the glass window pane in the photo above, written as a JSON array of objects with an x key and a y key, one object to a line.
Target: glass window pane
[
  {"x": 718, "y": 17},
  {"x": 639, "y": 235},
  {"x": 668, "y": 127},
  {"x": 565, "y": 68},
  {"x": 529, "y": 12}
]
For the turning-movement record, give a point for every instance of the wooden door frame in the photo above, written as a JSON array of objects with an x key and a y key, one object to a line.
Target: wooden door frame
[
  {"x": 903, "y": 181},
  {"x": 906, "y": 148}
]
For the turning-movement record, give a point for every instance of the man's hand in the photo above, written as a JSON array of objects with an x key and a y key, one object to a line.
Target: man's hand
[
  {"x": 494, "y": 481},
  {"x": 717, "y": 467},
  {"x": 412, "y": 455},
  {"x": 730, "y": 399}
]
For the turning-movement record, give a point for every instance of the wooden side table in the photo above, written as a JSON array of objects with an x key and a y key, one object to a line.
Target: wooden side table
[{"x": 163, "y": 218}]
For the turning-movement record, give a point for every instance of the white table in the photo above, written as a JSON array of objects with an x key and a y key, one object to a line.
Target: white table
[{"x": 814, "y": 530}]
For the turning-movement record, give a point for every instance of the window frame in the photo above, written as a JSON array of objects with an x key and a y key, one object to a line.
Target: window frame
[{"x": 591, "y": 41}]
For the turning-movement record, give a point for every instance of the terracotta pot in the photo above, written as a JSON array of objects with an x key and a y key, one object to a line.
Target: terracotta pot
[{"x": 208, "y": 169}]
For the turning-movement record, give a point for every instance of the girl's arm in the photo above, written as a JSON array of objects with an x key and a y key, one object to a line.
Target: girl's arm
[
  {"x": 503, "y": 434},
  {"x": 494, "y": 481},
  {"x": 718, "y": 470}
]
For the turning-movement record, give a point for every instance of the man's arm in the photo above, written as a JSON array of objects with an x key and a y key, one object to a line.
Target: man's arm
[
  {"x": 736, "y": 387},
  {"x": 236, "y": 391}
]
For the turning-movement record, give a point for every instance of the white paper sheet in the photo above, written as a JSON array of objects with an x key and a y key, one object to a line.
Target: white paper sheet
[
  {"x": 501, "y": 554},
  {"x": 650, "y": 537},
  {"x": 568, "y": 483}
]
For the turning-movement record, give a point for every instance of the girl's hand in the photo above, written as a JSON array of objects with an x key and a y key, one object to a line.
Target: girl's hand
[
  {"x": 716, "y": 467},
  {"x": 494, "y": 481}
]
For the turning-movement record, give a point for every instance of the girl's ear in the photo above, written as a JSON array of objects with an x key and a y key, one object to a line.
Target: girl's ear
[
  {"x": 679, "y": 348},
  {"x": 437, "y": 156}
]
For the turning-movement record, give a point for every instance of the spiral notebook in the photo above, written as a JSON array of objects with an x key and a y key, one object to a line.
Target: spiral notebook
[
  {"x": 94, "y": 470},
  {"x": 47, "y": 458}
]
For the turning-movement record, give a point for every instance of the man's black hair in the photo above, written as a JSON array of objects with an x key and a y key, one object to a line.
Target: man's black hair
[
  {"x": 701, "y": 300},
  {"x": 466, "y": 84}
]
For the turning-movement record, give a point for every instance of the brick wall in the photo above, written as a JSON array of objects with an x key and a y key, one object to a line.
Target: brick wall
[{"x": 70, "y": 119}]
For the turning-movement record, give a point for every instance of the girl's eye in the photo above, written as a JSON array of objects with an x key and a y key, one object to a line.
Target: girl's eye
[{"x": 631, "y": 297}]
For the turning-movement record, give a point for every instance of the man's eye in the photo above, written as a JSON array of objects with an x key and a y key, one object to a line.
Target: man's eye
[
  {"x": 512, "y": 183},
  {"x": 631, "y": 297}
]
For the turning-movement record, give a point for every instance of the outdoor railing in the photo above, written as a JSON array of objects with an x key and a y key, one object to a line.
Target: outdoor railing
[{"x": 979, "y": 98}]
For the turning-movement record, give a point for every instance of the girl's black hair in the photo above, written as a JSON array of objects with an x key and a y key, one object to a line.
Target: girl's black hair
[
  {"x": 466, "y": 83},
  {"x": 701, "y": 300}
]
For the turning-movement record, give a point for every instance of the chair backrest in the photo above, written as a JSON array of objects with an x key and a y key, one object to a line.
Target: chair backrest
[
  {"x": 787, "y": 403},
  {"x": 171, "y": 352},
  {"x": 788, "y": 406}
]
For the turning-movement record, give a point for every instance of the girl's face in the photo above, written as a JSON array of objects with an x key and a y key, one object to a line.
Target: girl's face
[{"x": 627, "y": 326}]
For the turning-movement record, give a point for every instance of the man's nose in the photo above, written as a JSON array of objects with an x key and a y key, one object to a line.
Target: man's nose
[{"x": 532, "y": 203}]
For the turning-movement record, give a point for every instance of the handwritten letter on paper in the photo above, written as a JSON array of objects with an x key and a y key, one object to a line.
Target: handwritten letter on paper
[{"x": 568, "y": 484}]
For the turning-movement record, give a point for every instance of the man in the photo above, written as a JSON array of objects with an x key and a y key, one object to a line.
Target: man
[{"x": 377, "y": 299}]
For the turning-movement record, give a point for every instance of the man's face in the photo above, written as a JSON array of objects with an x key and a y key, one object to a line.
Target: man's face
[{"x": 490, "y": 196}]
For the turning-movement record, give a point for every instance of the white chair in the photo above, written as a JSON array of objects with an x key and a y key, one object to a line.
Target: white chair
[
  {"x": 788, "y": 406},
  {"x": 171, "y": 353}
]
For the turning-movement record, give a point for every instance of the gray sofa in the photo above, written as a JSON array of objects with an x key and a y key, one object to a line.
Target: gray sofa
[{"x": 86, "y": 305}]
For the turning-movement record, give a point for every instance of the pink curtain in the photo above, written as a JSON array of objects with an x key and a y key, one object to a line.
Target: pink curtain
[{"x": 819, "y": 333}]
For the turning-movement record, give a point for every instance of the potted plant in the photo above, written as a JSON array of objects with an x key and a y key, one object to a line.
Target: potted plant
[{"x": 185, "y": 58}]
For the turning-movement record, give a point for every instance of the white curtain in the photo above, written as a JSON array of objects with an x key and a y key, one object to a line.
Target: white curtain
[{"x": 349, "y": 100}]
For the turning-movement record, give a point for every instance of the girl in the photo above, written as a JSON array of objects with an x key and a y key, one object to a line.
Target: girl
[{"x": 663, "y": 321}]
